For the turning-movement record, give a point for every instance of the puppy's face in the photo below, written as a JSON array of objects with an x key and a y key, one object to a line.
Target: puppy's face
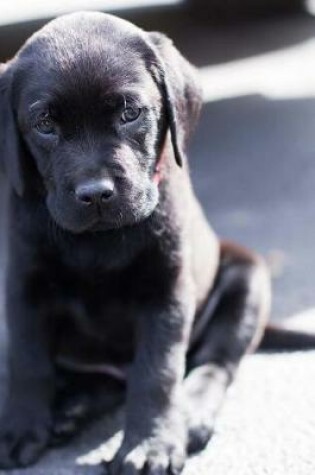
[
  {"x": 91, "y": 116},
  {"x": 88, "y": 100}
]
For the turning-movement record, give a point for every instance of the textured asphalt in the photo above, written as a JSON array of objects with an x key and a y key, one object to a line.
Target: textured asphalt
[{"x": 253, "y": 166}]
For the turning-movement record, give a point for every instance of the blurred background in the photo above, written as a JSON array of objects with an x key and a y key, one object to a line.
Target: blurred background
[{"x": 253, "y": 154}]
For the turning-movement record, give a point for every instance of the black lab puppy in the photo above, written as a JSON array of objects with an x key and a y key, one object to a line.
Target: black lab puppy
[{"x": 117, "y": 288}]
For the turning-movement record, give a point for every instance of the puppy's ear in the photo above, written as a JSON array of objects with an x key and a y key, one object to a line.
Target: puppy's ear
[
  {"x": 180, "y": 88},
  {"x": 10, "y": 153}
]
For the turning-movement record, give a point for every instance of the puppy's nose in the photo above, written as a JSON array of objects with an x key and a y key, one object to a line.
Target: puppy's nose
[{"x": 95, "y": 192}]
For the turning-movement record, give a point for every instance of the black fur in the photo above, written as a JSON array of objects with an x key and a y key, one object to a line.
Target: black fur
[{"x": 132, "y": 284}]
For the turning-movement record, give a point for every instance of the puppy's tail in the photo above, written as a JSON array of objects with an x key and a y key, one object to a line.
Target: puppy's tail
[{"x": 277, "y": 338}]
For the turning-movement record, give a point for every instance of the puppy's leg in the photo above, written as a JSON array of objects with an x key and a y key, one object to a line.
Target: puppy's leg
[
  {"x": 81, "y": 399},
  {"x": 155, "y": 436},
  {"x": 235, "y": 327},
  {"x": 25, "y": 424}
]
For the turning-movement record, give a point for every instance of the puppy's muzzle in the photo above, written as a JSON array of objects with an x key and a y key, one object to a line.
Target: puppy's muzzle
[{"x": 95, "y": 193}]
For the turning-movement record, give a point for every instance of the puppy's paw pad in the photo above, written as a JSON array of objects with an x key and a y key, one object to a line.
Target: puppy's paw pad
[{"x": 22, "y": 443}]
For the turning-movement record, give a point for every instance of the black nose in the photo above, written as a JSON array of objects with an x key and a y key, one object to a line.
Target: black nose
[{"x": 95, "y": 192}]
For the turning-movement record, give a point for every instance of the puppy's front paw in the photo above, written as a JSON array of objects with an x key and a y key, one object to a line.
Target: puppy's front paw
[
  {"x": 153, "y": 456},
  {"x": 23, "y": 437}
]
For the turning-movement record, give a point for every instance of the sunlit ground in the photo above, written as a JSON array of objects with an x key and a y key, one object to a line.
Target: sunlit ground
[
  {"x": 310, "y": 6},
  {"x": 302, "y": 321},
  {"x": 288, "y": 73},
  {"x": 285, "y": 74}
]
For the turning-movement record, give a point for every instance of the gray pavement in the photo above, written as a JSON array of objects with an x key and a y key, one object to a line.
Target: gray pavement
[{"x": 253, "y": 166}]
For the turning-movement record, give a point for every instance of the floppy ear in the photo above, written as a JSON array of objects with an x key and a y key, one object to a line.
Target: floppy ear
[
  {"x": 10, "y": 153},
  {"x": 180, "y": 88}
]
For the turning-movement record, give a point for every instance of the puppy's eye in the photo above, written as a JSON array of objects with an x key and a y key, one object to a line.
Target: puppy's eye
[
  {"x": 45, "y": 125},
  {"x": 130, "y": 114}
]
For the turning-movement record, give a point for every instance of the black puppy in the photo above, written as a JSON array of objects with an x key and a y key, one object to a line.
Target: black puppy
[{"x": 117, "y": 287}]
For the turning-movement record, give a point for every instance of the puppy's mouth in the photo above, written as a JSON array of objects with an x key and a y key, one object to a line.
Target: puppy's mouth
[
  {"x": 78, "y": 220},
  {"x": 120, "y": 221},
  {"x": 104, "y": 221},
  {"x": 98, "y": 223}
]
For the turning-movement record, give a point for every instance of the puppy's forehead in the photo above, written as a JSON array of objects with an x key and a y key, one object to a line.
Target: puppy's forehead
[
  {"x": 83, "y": 27},
  {"x": 87, "y": 50},
  {"x": 90, "y": 21}
]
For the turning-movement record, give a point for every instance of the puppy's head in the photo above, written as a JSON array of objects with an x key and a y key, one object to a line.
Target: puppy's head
[{"x": 89, "y": 100}]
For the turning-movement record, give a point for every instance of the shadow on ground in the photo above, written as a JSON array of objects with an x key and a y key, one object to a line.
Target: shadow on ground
[{"x": 252, "y": 162}]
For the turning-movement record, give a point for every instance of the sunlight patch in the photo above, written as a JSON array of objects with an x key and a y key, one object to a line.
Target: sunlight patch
[{"x": 284, "y": 74}]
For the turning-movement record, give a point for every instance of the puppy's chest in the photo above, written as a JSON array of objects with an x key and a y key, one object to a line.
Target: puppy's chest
[
  {"x": 100, "y": 294},
  {"x": 99, "y": 253},
  {"x": 97, "y": 322},
  {"x": 99, "y": 312}
]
